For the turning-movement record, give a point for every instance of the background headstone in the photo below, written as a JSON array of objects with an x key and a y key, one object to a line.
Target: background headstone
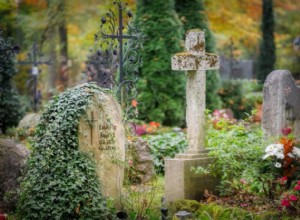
[
  {"x": 12, "y": 160},
  {"x": 236, "y": 69},
  {"x": 102, "y": 134},
  {"x": 281, "y": 104},
  {"x": 30, "y": 120},
  {"x": 140, "y": 161}
]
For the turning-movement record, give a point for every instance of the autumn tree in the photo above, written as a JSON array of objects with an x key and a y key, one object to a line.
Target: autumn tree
[
  {"x": 161, "y": 90},
  {"x": 267, "y": 56},
  {"x": 192, "y": 15}
]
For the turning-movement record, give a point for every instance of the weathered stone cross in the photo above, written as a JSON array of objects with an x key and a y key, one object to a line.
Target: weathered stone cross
[{"x": 195, "y": 61}]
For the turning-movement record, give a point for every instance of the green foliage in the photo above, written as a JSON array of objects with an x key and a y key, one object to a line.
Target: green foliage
[
  {"x": 10, "y": 108},
  {"x": 192, "y": 15},
  {"x": 238, "y": 151},
  {"x": 213, "y": 211},
  {"x": 239, "y": 96},
  {"x": 60, "y": 181},
  {"x": 161, "y": 90},
  {"x": 267, "y": 53},
  {"x": 165, "y": 146}
]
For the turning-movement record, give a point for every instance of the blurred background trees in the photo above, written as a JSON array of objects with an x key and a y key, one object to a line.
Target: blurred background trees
[
  {"x": 267, "y": 49},
  {"x": 65, "y": 30},
  {"x": 192, "y": 15}
]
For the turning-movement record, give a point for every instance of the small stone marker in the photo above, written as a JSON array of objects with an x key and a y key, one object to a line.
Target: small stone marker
[
  {"x": 102, "y": 133},
  {"x": 281, "y": 104},
  {"x": 181, "y": 183}
]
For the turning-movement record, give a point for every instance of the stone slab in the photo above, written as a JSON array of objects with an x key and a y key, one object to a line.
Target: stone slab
[{"x": 182, "y": 183}]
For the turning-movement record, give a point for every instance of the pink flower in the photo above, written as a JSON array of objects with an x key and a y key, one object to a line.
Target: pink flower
[
  {"x": 285, "y": 202},
  {"x": 297, "y": 187},
  {"x": 243, "y": 204},
  {"x": 298, "y": 183},
  {"x": 282, "y": 180},
  {"x": 286, "y": 131},
  {"x": 243, "y": 181},
  {"x": 293, "y": 198}
]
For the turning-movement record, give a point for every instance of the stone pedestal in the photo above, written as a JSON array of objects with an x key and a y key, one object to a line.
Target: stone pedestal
[{"x": 181, "y": 182}]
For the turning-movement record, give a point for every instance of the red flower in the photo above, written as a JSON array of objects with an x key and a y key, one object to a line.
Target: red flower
[
  {"x": 293, "y": 198},
  {"x": 286, "y": 131},
  {"x": 285, "y": 202},
  {"x": 298, "y": 183},
  {"x": 297, "y": 187}
]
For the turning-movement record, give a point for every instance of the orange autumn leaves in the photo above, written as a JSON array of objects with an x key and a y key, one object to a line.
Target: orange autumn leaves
[{"x": 288, "y": 145}]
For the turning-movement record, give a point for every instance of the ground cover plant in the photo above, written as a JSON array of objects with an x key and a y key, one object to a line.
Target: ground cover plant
[{"x": 165, "y": 145}]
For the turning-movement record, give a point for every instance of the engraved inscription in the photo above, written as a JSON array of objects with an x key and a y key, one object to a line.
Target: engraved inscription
[{"x": 106, "y": 140}]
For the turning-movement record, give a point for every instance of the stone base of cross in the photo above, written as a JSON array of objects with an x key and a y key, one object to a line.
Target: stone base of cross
[{"x": 180, "y": 181}]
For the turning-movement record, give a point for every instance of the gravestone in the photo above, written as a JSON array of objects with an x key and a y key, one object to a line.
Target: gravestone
[
  {"x": 236, "y": 69},
  {"x": 281, "y": 104},
  {"x": 180, "y": 181},
  {"x": 140, "y": 161},
  {"x": 102, "y": 133},
  {"x": 30, "y": 120},
  {"x": 12, "y": 160}
]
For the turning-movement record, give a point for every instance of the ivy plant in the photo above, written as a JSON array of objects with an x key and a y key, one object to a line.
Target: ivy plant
[{"x": 60, "y": 181}]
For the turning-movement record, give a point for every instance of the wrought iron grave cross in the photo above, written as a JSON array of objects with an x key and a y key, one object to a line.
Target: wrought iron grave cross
[
  {"x": 34, "y": 60},
  {"x": 114, "y": 43},
  {"x": 119, "y": 35}
]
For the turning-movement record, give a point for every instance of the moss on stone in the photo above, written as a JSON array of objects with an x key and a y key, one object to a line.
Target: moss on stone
[{"x": 214, "y": 211}]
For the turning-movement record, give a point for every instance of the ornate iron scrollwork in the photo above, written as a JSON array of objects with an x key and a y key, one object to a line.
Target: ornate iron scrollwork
[{"x": 120, "y": 41}]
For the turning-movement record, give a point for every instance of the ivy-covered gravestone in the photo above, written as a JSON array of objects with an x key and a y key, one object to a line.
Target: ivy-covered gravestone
[
  {"x": 102, "y": 133},
  {"x": 79, "y": 147}
]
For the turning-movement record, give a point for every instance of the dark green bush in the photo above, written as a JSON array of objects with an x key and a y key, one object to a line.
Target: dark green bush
[
  {"x": 10, "y": 107},
  {"x": 60, "y": 181}
]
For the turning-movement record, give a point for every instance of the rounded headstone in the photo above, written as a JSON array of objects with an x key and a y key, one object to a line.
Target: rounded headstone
[{"x": 102, "y": 134}]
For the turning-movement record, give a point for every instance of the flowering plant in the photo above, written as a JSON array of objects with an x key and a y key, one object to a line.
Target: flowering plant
[
  {"x": 285, "y": 154},
  {"x": 150, "y": 128},
  {"x": 290, "y": 201},
  {"x": 221, "y": 114}
]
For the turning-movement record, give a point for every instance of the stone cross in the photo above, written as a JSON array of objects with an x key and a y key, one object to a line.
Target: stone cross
[{"x": 195, "y": 61}]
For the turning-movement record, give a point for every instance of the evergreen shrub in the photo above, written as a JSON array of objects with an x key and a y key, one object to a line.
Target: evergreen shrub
[
  {"x": 10, "y": 107},
  {"x": 161, "y": 90}
]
